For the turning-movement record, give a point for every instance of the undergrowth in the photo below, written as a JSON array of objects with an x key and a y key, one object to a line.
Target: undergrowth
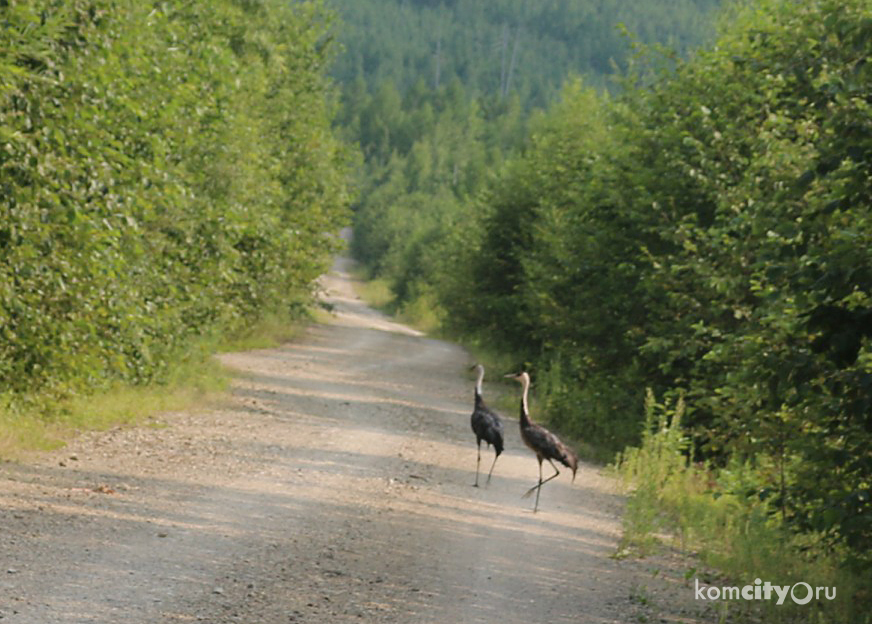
[
  {"x": 703, "y": 510},
  {"x": 43, "y": 423},
  {"x": 421, "y": 312},
  {"x": 195, "y": 379},
  {"x": 376, "y": 292}
]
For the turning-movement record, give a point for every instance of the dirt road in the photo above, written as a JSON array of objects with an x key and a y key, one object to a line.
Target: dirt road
[{"x": 335, "y": 486}]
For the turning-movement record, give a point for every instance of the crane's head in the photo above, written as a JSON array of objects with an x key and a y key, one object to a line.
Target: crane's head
[
  {"x": 479, "y": 374},
  {"x": 523, "y": 378},
  {"x": 573, "y": 464}
]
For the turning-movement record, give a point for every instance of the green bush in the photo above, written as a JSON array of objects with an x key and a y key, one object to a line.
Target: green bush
[{"x": 167, "y": 172}]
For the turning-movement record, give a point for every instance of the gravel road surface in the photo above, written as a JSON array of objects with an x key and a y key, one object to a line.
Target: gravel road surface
[{"x": 334, "y": 485}]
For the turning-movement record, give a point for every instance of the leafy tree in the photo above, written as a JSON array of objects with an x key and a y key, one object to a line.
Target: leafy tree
[{"x": 168, "y": 171}]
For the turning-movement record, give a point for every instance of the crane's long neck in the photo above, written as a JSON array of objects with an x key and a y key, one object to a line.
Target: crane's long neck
[
  {"x": 525, "y": 412},
  {"x": 478, "y": 382}
]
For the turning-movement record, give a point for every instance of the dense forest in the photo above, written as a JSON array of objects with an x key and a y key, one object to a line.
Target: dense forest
[
  {"x": 700, "y": 231},
  {"x": 168, "y": 171},
  {"x": 503, "y": 47},
  {"x": 437, "y": 95}
]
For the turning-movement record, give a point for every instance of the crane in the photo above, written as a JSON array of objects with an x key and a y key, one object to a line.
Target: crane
[
  {"x": 545, "y": 444},
  {"x": 486, "y": 425}
]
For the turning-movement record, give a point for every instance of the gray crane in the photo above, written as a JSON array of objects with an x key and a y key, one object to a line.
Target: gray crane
[
  {"x": 486, "y": 425},
  {"x": 545, "y": 444}
]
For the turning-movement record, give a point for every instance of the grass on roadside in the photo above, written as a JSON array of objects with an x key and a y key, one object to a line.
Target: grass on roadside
[
  {"x": 269, "y": 332},
  {"x": 196, "y": 380},
  {"x": 45, "y": 423},
  {"x": 375, "y": 293},
  {"x": 422, "y": 312},
  {"x": 699, "y": 510}
]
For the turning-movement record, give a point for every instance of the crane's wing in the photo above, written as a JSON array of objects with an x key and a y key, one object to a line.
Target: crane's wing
[
  {"x": 487, "y": 425},
  {"x": 549, "y": 446}
]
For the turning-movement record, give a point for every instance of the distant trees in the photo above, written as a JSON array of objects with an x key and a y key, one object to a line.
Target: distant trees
[
  {"x": 426, "y": 153},
  {"x": 439, "y": 94},
  {"x": 499, "y": 47},
  {"x": 166, "y": 171}
]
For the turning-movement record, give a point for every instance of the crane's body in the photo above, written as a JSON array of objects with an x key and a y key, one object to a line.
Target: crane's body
[
  {"x": 542, "y": 442},
  {"x": 486, "y": 425}
]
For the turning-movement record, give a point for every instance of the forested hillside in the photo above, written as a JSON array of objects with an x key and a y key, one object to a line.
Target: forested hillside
[
  {"x": 503, "y": 47},
  {"x": 167, "y": 172},
  {"x": 438, "y": 94},
  {"x": 703, "y": 232}
]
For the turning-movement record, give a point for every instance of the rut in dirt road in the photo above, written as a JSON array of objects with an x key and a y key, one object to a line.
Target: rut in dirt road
[{"x": 335, "y": 487}]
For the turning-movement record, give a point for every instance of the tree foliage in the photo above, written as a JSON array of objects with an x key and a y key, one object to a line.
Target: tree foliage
[
  {"x": 167, "y": 170},
  {"x": 708, "y": 235},
  {"x": 439, "y": 94}
]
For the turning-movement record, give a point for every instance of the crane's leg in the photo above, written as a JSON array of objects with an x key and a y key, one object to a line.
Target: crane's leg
[
  {"x": 492, "y": 468},
  {"x": 477, "y": 463},
  {"x": 535, "y": 487},
  {"x": 539, "y": 485}
]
